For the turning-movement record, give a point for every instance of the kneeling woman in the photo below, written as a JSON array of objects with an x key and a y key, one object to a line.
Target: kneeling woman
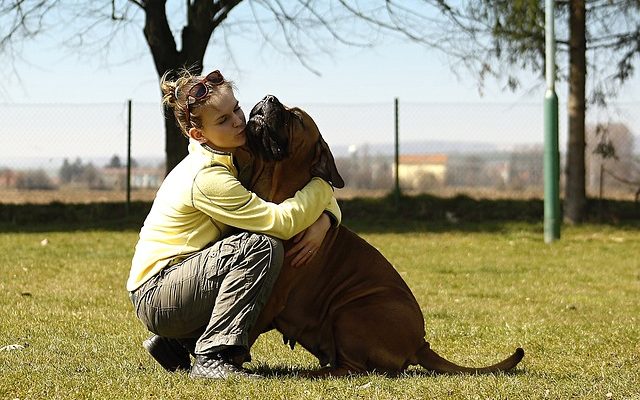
[{"x": 193, "y": 282}]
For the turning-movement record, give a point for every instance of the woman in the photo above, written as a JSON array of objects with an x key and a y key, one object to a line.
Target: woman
[{"x": 195, "y": 282}]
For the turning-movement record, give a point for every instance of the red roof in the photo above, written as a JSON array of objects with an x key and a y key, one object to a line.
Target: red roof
[{"x": 421, "y": 159}]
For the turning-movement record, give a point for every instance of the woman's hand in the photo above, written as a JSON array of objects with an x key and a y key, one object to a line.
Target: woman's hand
[{"x": 308, "y": 241}]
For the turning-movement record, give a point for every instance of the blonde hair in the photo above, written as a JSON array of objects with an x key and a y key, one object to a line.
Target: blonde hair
[{"x": 174, "y": 95}]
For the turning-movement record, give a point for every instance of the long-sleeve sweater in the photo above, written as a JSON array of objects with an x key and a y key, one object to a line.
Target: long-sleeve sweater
[{"x": 201, "y": 200}]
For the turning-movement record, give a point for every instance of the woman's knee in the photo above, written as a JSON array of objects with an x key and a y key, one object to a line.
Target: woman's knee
[{"x": 257, "y": 242}]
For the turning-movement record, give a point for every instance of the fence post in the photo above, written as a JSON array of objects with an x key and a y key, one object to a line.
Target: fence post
[
  {"x": 128, "y": 204},
  {"x": 396, "y": 161}
]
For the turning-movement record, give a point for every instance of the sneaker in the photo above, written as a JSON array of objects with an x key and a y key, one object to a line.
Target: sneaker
[
  {"x": 218, "y": 367},
  {"x": 169, "y": 353}
]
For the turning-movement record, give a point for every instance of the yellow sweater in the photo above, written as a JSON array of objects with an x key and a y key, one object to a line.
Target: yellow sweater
[{"x": 201, "y": 200}]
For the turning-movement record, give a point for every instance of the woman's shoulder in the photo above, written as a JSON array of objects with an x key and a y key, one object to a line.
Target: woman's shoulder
[{"x": 218, "y": 179}]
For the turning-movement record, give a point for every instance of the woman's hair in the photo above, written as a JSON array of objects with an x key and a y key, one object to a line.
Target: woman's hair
[{"x": 174, "y": 95}]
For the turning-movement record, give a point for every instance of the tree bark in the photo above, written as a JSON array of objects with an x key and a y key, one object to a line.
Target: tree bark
[
  {"x": 175, "y": 142},
  {"x": 165, "y": 57},
  {"x": 575, "y": 193},
  {"x": 203, "y": 16}
]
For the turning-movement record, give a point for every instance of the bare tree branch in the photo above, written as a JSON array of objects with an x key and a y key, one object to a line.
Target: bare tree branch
[
  {"x": 223, "y": 12},
  {"x": 137, "y": 3},
  {"x": 281, "y": 19},
  {"x": 28, "y": 19},
  {"x": 334, "y": 33}
]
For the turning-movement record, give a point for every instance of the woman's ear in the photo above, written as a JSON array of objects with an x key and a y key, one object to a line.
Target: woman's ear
[{"x": 196, "y": 134}]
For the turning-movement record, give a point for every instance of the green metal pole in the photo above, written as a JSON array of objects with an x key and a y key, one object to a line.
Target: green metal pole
[
  {"x": 396, "y": 160},
  {"x": 551, "y": 149},
  {"x": 551, "y": 169}
]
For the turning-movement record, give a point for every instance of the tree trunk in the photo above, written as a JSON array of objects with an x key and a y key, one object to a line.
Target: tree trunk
[
  {"x": 203, "y": 16},
  {"x": 575, "y": 193},
  {"x": 175, "y": 144},
  {"x": 165, "y": 57}
]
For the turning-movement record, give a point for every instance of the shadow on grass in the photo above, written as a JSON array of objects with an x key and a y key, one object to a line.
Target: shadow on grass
[
  {"x": 289, "y": 372},
  {"x": 422, "y": 213},
  {"x": 427, "y": 213},
  {"x": 64, "y": 217}
]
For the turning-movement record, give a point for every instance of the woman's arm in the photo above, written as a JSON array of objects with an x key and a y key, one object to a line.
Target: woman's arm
[
  {"x": 309, "y": 241},
  {"x": 217, "y": 193},
  {"x": 335, "y": 214}
]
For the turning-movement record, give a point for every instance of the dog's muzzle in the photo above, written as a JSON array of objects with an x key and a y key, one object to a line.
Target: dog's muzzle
[{"x": 266, "y": 129}]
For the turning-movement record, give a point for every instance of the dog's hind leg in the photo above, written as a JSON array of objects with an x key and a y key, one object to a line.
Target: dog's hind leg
[{"x": 378, "y": 333}]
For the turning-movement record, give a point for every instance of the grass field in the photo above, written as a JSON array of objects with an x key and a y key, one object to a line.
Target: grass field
[{"x": 484, "y": 290}]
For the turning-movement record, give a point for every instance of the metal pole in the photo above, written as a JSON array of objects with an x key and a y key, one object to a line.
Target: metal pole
[
  {"x": 551, "y": 148},
  {"x": 128, "y": 156},
  {"x": 396, "y": 160}
]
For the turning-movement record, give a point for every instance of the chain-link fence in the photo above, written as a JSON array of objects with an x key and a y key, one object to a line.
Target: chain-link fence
[{"x": 77, "y": 153}]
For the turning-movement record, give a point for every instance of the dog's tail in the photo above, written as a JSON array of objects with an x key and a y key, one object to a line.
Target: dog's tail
[{"x": 431, "y": 361}]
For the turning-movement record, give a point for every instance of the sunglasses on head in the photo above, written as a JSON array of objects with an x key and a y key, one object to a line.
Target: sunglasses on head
[{"x": 200, "y": 90}]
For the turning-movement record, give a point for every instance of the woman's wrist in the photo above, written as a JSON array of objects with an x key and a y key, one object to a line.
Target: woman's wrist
[
  {"x": 330, "y": 216},
  {"x": 326, "y": 221}
]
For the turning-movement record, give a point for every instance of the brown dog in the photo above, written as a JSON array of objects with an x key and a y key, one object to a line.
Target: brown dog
[{"x": 349, "y": 307}]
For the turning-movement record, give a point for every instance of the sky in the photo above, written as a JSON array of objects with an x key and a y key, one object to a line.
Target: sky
[
  {"x": 356, "y": 86},
  {"x": 348, "y": 75}
]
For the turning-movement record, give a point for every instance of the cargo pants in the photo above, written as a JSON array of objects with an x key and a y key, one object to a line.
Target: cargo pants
[{"x": 215, "y": 295}]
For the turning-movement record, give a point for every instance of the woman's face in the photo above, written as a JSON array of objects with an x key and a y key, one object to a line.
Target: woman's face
[{"x": 222, "y": 121}]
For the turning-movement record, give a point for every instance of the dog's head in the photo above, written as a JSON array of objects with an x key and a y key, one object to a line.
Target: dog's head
[
  {"x": 289, "y": 150},
  {"x": 266, "y": 127}
]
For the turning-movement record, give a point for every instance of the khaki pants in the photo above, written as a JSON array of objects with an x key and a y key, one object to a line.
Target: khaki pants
[{"x": 215, "y": 295}]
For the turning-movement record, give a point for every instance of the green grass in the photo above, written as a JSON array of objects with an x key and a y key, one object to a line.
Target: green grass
[{"x": 484, "y": 289}]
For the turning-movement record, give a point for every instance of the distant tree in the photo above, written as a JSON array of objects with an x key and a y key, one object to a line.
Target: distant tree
[
  {"x": 66, "y": 172},
  {"x": 34, "y": 180},
  {"x": 115, "y": 162},
  {"x": 91, "y": 176},
  {"x": 71, "y": 172},
  {"x": 79, "y": 172},
  {"x": 611, "y": 153}
]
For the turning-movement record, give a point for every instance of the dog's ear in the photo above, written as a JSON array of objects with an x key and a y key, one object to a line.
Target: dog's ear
[{"x": 325, "y": 165}]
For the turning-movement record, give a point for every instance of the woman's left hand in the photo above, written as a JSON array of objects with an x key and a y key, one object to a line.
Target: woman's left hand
[{"x": 308, "y": 241}]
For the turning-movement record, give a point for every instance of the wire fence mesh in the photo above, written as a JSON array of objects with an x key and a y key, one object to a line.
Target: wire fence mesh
[{"x": 77, "y": 153}]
